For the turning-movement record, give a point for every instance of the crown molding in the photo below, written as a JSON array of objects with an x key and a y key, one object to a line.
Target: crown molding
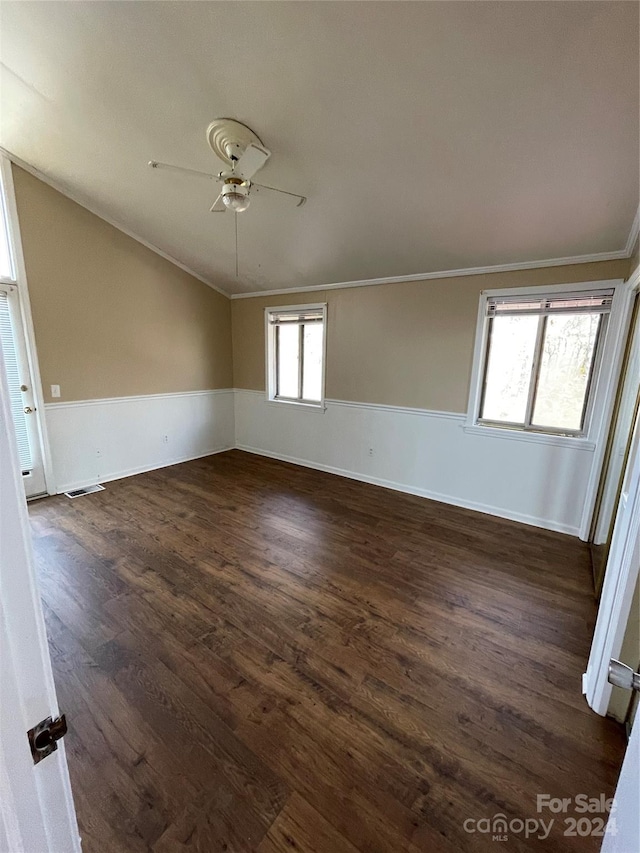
[
  {"x": 83, "y": 202},
  {"x": 633, "y": 234},
  {"x": 620, "y": 254}
]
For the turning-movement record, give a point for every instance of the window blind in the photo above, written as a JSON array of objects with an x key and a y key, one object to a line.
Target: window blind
[
  {"x": 569, "y": 303},
  {"x": 279, "y": 318},
  {"x": 13, "y": 380}
]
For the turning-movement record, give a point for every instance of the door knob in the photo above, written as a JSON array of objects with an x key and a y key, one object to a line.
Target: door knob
[
  {"x": 43, "y": 737},
  {"x": 28, "y": 410},
  {"x": 621, "y": 675}
]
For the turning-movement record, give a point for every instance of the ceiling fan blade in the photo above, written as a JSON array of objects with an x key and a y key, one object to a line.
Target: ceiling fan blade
[
  {"x": 301, "y": 198},
  {"x": 218, "y": 205},
  {"x": 253, "y": 158},
  {"x": 169, "y": 167}
]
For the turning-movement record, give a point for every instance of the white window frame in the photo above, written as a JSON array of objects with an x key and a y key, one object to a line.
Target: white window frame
[
  {"x": 600, "y": 392},
  {"x": 270, "y": 356}
]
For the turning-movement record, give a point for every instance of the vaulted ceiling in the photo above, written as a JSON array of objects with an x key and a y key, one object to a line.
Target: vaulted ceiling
[{"x": 427, "y": 136}]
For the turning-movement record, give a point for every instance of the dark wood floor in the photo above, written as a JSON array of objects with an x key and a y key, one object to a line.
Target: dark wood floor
[{"x": 258, "y": 657}]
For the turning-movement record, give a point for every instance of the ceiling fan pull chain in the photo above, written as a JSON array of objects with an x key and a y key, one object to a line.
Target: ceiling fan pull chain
[{"x": 235, "y": 216}]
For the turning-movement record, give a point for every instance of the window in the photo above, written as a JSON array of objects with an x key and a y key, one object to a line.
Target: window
[
  {"x": 295, "y": 353},
  {"x": 540, "y": 357}
]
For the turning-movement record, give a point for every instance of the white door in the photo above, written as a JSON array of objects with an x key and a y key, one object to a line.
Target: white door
[
  {"x": 36, "y": 805},
  {"x": 21, "y": 392},
  {"x": 621, "y": 573},
  {"x": 623, "y": 833}
]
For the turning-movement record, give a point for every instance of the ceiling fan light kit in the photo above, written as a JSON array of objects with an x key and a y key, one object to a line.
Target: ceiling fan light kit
[
  {"x": 244, "y": 154},
  {"x": 235, "y": 195}
]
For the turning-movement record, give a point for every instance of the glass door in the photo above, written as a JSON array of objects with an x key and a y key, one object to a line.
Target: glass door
[{"x": 21, "y": 397}]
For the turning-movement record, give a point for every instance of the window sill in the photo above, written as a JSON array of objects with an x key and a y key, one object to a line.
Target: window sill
[
  {"x": 575, "y": 442},
  {"x": 319, "y": 408}
]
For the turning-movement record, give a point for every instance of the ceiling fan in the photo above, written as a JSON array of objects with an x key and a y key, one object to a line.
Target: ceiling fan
[{"x": 243, "y": 152}]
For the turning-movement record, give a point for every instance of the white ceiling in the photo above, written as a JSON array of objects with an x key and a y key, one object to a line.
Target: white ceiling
[{"x": 427, "y": 136}]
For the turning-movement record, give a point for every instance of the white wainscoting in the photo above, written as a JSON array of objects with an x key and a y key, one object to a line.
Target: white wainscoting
[
  {"x": 93, "y": 441},
  {"x": 425, "y": 453},
  {"x": 417, "y": 451}
]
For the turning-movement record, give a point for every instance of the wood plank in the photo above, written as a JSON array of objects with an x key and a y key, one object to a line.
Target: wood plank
[{"x": 300, "y": 827}]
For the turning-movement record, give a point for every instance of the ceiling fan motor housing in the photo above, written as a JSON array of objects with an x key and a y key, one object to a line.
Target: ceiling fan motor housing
[
  {"x": 234, "y": 185},
  {"x": 229, "y": 138}
]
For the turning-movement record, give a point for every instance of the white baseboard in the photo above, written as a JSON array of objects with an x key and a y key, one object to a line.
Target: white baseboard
[
  {"x": 143, "y": 469},
  {"x": 425, "y": 453},
  {"x": 416, "y": 451},
  {"x": 97, "y": 441},
  {"x": 547, "y": 524}
]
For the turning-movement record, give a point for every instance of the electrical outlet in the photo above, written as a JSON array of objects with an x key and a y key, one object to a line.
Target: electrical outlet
[
  {"x": 55, "y": 390},
  {"x": 98, "y": 452},
  {"x": 371, "y": 451},
  {"x": 165, "y": 439}
]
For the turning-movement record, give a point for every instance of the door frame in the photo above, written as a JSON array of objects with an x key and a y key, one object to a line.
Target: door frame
[
  {"x": 619, "y": 330},
  {"x": 22, "y": 286}
]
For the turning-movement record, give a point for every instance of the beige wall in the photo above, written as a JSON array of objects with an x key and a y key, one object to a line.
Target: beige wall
[
  {"x": 112, "y": 318},
  {"x": 406, "y": 344}
]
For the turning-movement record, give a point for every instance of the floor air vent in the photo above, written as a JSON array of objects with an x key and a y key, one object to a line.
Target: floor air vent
[{"x": 88, "y": 490}]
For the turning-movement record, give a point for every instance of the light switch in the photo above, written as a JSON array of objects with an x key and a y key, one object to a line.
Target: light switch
[{"x": 55, "y": 390}]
